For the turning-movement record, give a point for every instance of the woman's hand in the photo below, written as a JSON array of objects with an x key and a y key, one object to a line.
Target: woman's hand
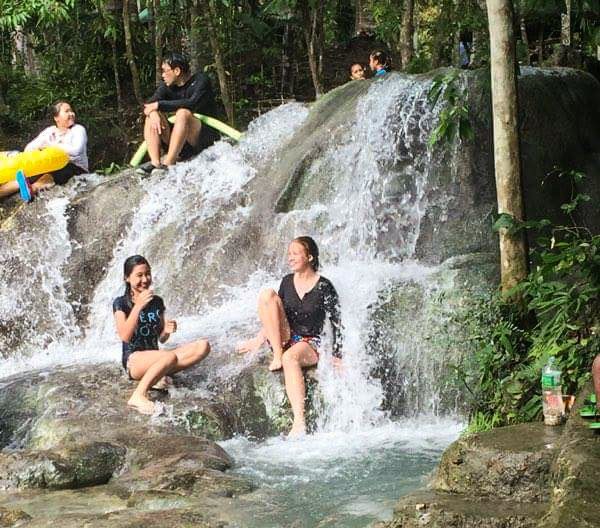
[
  {"x": 143, "y": 298},
  {"x": 337, "y": 364},
  {"x": 170, "y": 327}
]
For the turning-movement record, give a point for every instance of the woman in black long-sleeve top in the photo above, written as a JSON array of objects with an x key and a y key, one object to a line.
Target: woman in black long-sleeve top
[{"x": 293, "y": 319}]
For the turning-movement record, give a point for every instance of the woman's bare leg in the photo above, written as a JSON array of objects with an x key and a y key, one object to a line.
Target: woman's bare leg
[
  {"x": 275, "y": 324},
  {"x": 43, "y": 182},
  {"x": 8, "y": 188},
  {"x": 190, "y": 354},
  {"x": 148, "y": 366},
  {"x": 295, "y": 358}
]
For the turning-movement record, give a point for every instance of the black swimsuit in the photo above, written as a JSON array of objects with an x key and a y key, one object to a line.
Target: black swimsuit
[
  {"x": 306, "y": 316},
  {"x": 148, "y": 328}
]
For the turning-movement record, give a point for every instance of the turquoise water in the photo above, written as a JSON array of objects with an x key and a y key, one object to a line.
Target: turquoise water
[{"x": 336, "y": 479}]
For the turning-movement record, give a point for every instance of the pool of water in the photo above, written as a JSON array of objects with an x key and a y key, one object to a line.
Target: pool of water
[{"x": 336, "y": 479}]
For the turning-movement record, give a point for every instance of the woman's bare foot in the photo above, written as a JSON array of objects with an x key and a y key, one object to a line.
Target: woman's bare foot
[
  {"x": 163, "y": 383},
  {"x": 251, "y": 345},
  {"x": 297, "y": 430},
  {"x": 276, "y": 363},
  {"x": 141, "y": 404}
]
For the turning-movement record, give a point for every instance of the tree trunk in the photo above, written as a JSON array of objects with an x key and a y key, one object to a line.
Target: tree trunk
[
  {"x": 406, "y": 33},
  {"x": 525, "y": 40},
  {"x": 194, "y": 36},
  {"x": 507, "y": 162},
  {"x": 312, "y": 25},
  {"x": 211, "y": 20},
  {"x": 480, "y": 37},
  {"x": 565, "y": 25},
  {"x": 156, "y": 35},
  {"x": 364, "y": 23},
  {"x": 285, "y": 61},
  {"x": 135, "y": 76},
  {"x": 115, "y": 61}
]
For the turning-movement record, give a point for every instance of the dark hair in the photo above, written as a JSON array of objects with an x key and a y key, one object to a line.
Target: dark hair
[
  {"x": 177, "y": 60},
  {"x": 352, "y": 66},
  {"x": 130, "y": 263},
  {"x": 54, "y": 110},
  {"x": 382, "y": 58},
  {"x": 312, "y": 250}
]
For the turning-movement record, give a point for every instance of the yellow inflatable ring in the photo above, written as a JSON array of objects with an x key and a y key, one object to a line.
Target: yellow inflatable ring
[{"x": 32, "y": 163}]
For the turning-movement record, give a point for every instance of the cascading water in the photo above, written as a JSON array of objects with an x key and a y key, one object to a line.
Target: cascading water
[{"x": 215, "y": 231}]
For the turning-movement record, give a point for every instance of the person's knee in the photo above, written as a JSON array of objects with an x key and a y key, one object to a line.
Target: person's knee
[
  {"x": 183, "y": 113},
  {"x": 267, "y": 295},
  {"x": 202, "y": 349},
  {"x": 170, "y": 359},
  {"x": 289, "y": 359}
]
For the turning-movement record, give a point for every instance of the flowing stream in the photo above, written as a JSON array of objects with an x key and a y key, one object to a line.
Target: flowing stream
[{"x": 215, "y": 231}]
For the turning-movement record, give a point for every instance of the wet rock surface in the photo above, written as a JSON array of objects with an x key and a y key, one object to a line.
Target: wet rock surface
[
  {"x": 74, "y": 451},
  {"x": 521, "y": 476}
]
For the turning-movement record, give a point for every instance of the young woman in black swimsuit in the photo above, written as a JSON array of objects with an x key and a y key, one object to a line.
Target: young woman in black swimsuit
[
  {"x": 292, "y": 322},
  {"x": 141, "y": 325}
]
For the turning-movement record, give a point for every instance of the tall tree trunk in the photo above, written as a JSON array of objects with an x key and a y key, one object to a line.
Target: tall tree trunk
[
  {"x": 194, "y": 36},
  {"x": 211, "y": 20},
  {"x": 364, "y": 21},
  {"x": 115, "y": 63},
  {"x": 135, "y": 76},
  {"x": 565, "y": 25},
  {"x": 525, "y": 40},
  {"x": 407, "y": 32},
  {"x": 285, "y": 61},
  {"x": 312, "y": 25},
  {"x": 480, "y": 38},
  {"x": 156, "y": 35},
  {"x": 507, "y": 162}
]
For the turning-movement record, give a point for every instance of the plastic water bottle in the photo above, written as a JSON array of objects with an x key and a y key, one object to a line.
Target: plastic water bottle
[{"x": 552, "y": 399}]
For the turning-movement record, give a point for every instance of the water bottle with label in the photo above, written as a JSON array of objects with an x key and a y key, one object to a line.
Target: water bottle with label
[{"x": 552, "y": 399}]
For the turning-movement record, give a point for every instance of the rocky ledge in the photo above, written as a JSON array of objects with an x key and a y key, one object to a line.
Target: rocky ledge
[
  {"x": 520, "y": 476},
  {"x": 72, "y": 452}
]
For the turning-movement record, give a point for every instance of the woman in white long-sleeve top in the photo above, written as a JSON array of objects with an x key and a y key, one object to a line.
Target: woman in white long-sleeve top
[{"x": 65, "y": 134}]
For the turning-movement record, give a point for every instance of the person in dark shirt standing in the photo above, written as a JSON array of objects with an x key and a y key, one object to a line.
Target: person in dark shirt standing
[
  {"x": 292, "y": 322},
  {"x": 184, "y": 94}
]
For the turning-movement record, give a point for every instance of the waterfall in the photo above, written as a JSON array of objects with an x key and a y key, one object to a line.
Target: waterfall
[{"x": 353, "y": 171}]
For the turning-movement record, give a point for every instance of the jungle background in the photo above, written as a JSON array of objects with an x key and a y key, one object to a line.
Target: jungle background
[{"x": 103, "y": 56}]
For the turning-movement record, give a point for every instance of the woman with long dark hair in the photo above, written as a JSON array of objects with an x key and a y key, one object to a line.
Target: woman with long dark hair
[
  {"x": 141, "y": 325},
  {"x": 64, "y": 134}
]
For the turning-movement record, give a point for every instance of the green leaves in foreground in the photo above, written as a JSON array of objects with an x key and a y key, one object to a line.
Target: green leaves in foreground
[
  {"x": 558, "y": 315},
  {"x": 454, "y": 118}
]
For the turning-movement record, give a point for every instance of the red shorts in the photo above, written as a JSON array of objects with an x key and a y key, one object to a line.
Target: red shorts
[{"x": 313, "y": 341}]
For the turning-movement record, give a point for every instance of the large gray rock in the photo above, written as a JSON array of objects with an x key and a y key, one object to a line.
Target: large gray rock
[
  {"x": 521, "y": 476},
  {"x": 509, "y": 462},
  {"x": 70, "y": 429}
]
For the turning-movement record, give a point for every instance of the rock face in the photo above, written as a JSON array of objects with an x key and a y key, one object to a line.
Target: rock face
[
  {"x": 69, "y": 438},
  {"x": 521, "y": 476}
]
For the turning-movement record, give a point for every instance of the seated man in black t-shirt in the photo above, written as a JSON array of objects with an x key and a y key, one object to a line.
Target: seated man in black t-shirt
[{"x": 184, "y": 94}]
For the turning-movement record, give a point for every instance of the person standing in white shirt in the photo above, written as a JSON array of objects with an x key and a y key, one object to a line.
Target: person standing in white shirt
[{"x": 65, "y": 134}]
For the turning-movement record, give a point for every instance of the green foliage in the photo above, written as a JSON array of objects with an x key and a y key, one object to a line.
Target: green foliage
[
  {"x": 15, "y": 14},
  {"x": 454, "y": 118},
  {"x": 556, "y": 315},
  {"x": 113, "y": 168}
]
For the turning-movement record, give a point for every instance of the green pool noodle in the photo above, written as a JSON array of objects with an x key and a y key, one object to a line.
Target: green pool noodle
[{"x": 210, "y": 121}]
